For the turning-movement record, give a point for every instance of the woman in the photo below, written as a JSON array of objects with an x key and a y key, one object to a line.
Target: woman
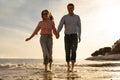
[{"x": 46, "y": 26}]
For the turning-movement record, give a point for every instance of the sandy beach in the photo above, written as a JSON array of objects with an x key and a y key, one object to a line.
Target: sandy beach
[{"x": 84, "y": 70}]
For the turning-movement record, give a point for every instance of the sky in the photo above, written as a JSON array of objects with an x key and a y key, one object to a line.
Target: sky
[{"x": 100, "y": 25}]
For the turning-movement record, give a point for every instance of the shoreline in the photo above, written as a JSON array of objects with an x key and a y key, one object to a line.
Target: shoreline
[
  {"x": 101, "y": 70},
  {"x": 112, "y": 57}
]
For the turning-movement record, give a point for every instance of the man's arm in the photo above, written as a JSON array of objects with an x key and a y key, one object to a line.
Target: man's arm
[
  {"x": 61, "y": 25},
  {"x": 79, "y": 29}
]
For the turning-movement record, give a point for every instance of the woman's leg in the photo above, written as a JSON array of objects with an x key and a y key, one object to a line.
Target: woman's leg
[
  {"x": 50, "y": 46},
  {"x": 43, "y": 40}
]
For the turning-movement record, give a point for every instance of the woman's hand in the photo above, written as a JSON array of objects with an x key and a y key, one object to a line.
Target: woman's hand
[{"x": 27, "y": 39}]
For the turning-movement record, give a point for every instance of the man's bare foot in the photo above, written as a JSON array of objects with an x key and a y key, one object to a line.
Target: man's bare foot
[
  {"x": 46, "y": 67},
  {"x": 50, "y": 66},
  {"x": 48, "y": 71},
  {"x": 73, "y": 63},
  {"x": 68, "y": 67}
]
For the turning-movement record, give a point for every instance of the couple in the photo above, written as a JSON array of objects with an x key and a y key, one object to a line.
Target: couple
[{"x": 72, "y": 36}]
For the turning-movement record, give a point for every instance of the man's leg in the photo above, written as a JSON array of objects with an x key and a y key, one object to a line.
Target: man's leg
[
  {"x": 67, "y": 51},
  {"x": 74, "y": 48}
]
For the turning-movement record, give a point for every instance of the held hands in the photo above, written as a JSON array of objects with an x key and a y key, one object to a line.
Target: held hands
[{"x": 57, "y": 35}]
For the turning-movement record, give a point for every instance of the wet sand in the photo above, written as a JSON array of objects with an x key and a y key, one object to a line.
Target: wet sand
[
  {"x": 59, "y": 72},
  {"x": 34, "y": 70}
]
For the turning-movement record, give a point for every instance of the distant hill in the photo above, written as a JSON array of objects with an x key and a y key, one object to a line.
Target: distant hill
[{"x": 107, "y": 53}]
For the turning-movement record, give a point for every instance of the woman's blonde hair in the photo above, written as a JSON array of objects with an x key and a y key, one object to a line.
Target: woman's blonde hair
[{"x": 47, "y": 13}]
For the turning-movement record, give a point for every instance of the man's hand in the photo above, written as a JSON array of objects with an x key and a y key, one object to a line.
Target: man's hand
[{"x": 79, "y": 39}]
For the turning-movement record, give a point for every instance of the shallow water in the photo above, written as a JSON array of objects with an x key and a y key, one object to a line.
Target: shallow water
[{"x": 33, "y": 69}]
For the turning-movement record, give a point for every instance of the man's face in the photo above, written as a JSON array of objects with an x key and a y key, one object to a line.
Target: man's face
[{"x": 70, "y": 9}]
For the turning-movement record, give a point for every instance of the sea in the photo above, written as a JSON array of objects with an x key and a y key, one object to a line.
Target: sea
[{"x": 84, "y": 70}]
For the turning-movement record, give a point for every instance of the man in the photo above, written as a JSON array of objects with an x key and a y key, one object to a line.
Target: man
[{"x": 72, "y": 25}]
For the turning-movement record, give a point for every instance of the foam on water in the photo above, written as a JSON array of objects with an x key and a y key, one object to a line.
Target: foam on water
[{"x": 34, "y": 70}]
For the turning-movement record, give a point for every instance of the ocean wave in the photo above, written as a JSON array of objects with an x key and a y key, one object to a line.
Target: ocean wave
[
  {"x": 20, "y": 66},
  {"x": 36, "y": 66},
  {"x": 102, "y": 65}
]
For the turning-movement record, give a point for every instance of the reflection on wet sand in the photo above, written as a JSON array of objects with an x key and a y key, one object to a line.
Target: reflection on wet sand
[
  {"x": 72, "y": 76},
  {"x": 47, "y": 76},
  {"x": 64, "y": 76}
]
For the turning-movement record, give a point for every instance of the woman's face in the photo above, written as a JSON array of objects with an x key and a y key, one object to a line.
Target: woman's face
[{"x": 45, "y": 15}]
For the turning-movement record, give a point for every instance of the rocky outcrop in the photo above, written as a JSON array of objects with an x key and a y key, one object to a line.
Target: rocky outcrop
[
  {"x": 106, "y": 57},
  {"x": 102, "y": 51},
  {"x": 107, "y": 53},
  {"x": 116, "y": 47}
]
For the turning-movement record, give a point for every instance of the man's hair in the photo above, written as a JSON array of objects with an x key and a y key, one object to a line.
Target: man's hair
[{"x": 70, "y": 4}]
